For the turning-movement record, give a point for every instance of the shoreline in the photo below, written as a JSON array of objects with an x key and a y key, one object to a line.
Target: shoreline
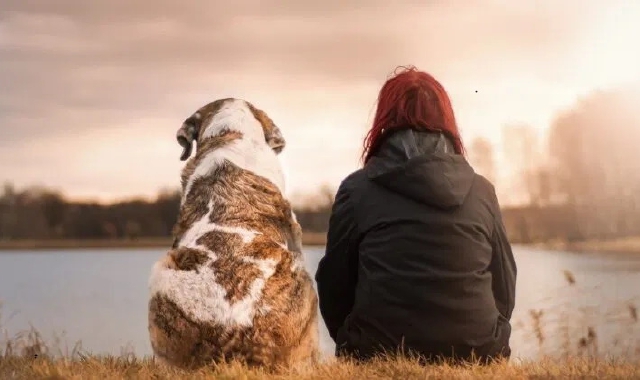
[
  {"x": 629, "y": 245},
  {"x": 308, "y": 239}
]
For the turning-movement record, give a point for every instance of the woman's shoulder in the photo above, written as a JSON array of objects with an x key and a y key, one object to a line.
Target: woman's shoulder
[
  {"x": 484, "y": 189},
  {"x": 353, "y": 180},
  {"x": 484, "y": 184}
]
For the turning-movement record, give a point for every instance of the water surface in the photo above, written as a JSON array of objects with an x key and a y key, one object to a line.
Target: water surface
[{"x": 99, "y": 297}]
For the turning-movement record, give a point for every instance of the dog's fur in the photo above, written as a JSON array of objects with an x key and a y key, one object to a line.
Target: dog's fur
[{"x": 234, "y": 285}]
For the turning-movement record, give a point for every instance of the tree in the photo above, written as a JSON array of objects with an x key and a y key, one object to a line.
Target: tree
[
  {"x": 482, "y": 158},
  {"x": 132, "y": 229},
  {"x": 167, "y": 206},
  {"x": 594, "y": 146},
  {"x": 523, "y": 156},
  {"x": 7, "y": 211},
  {"x": 53, "y": 209},
  {"x": 326, "y": 196}
]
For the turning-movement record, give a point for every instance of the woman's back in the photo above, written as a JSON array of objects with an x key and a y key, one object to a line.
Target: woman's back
[
  {"x": 417, "y": 256},
  {"x": 423, "y": 255}
]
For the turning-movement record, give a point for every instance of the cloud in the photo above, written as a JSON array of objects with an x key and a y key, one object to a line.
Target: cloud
[{"x": 69, "y": 69}]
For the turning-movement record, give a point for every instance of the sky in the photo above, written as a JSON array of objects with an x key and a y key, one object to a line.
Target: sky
[{"x": 92, "y": 92}]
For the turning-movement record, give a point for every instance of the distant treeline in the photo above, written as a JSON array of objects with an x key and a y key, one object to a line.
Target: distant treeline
[{"x": 38, "y": 213}]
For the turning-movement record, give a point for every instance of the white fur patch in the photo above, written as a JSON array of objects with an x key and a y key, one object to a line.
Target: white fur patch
[
  {"x": 251, "y": 152},
  {"x": 203, "y": 226},
  {"x": 198, "y": 294}
]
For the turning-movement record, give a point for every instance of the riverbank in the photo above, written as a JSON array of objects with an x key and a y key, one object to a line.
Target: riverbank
[
  {"x": 627, "y": 245},
  {"x": 308, "y": 239},
  {"x": 130, "y": 367},
  {"x": 630, "y": 245}
]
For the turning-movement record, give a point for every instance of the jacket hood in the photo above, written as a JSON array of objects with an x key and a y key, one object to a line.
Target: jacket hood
[{"x": 422, "y": 166}]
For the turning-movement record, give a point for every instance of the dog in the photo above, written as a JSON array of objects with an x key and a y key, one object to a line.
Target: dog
[{"x": 233, "y": 286}]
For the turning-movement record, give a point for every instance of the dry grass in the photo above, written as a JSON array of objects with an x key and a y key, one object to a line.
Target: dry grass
[
  {"x": 308, "y": 239},
  {"x": 26, "y": 356},
  {"x": 127, "y": 367}
]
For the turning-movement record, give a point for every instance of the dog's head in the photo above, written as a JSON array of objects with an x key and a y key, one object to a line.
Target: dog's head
[{"x": 225, "y": 115}]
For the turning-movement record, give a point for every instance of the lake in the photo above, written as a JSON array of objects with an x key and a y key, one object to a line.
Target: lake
[{"x": 99, "y": 297}]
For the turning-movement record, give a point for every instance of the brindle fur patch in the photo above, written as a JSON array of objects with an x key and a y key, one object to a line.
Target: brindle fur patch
[
  {"x": 232, "y": 273},
  {"x": 179, "y": 340},
  {"x": 221, "y": 243},
  {"x": 231, "y": 189},
  {"x": 188, "y": 258},
  {"x": 235, "y": 276}
]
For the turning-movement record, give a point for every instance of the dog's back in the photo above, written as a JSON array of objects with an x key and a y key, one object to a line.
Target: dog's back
[{"x": 234, "y": 285}]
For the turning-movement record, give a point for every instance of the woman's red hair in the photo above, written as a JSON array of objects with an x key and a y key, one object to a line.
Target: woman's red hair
[{"x": 412, "y": 99}]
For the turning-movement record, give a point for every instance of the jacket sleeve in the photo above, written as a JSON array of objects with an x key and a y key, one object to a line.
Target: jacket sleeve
[
  {"x": 337, "y": 272},
  {"x": 503, "y": 268}
]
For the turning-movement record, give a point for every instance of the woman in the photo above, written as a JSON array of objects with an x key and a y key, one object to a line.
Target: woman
[{"x": 417, "y": 259}]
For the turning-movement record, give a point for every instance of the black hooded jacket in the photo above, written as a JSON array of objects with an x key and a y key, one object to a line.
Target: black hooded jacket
[{"x": 417, "y": 256}]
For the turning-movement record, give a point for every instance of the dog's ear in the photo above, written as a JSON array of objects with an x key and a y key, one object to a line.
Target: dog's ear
[
  {"x": 188, "y": 133},
  {"x": 272, "y": 133},
  {"x": 274, "y": 138}
]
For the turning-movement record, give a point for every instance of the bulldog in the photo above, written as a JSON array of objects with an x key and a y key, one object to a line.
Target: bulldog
[{"x": 233, "y": 286}]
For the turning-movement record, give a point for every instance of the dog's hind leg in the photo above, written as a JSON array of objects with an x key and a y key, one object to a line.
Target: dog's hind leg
[{"x": 306, "y": 351}]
